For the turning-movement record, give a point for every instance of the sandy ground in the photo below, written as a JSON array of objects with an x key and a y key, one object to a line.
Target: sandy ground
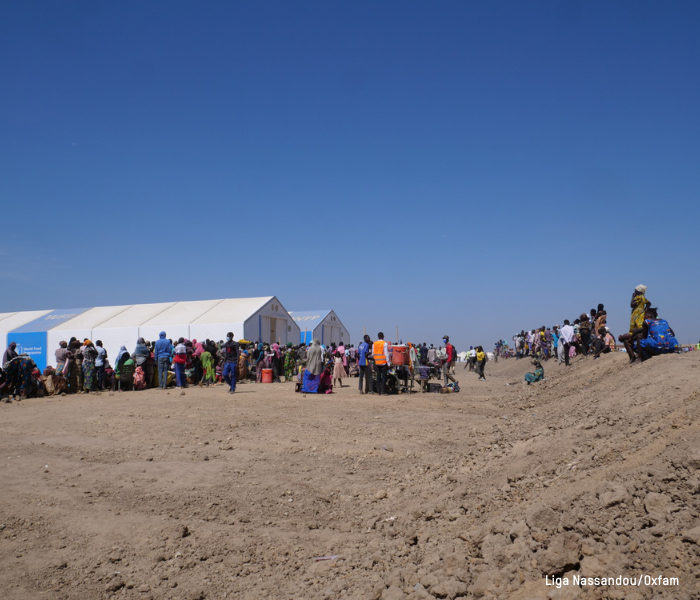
[{"x": 594, "y": 472}]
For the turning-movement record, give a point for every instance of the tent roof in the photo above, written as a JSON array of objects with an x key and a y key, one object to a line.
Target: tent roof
[
  {"x": 21, "y": 318},
  {"x": 4, "y": 316},
  {"x": 50, "y": 320},
  {"x": 233, "y": 310},
  {"x": 182, "y": 312},
  {"x": 308, "y": 319},
  {"x": 135, "y": 315},
  {"x": 229, "y": 310},
  {"x": 91, "y": 318}
]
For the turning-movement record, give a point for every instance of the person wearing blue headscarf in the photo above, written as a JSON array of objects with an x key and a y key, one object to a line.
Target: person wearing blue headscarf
[{"x": 122, "y": 352}]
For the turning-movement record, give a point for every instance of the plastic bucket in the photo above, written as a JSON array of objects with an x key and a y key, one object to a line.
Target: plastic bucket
[
  {"x": 267, "y": 376},
  {"x": 399, "y": 355}
]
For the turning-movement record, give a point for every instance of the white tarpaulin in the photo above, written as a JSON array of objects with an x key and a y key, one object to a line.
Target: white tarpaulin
[
  {"x": 123, "y": 328},
  {"x": 175, "y": 321},
  {"x": 79, "y": 327},
  {"x": 228, "y": 315}
]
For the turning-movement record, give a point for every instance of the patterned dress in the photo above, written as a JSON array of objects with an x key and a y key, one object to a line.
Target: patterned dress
[
  {"x": 88, "y": 367},
  {"x": 637, "y": 319},
  {"x": 242, "y": 366},
  {"x": 289, "y": 362},
  {"x": 19, "y": 376},
  {"x": 208, "y": 367}
]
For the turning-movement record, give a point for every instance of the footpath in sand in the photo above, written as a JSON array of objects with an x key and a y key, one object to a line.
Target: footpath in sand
[{"x": 594, "y": 472}]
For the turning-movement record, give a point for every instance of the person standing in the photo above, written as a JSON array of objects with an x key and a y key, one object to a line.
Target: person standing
[
  {"x": 584, "y": 329},
  {"x": 548, "y": 341},
  {"x": 290, "y": 361},
  {"x": 77, "y": 363},
  {"x": 208, "y": 377},
  {"x": 471, "y": 358},
  {"x": 363, "y": 352},
  {"x": 9, "y": 354},
  {"x": 88, "y": 366},
  {"x": 450, "y": 358},
  {"x": 276, "y": 363},
  {"x": 555, "y": 341},
  {"x": 432, "y": 354},
  {"x": 315, "y": 365},
  {"x": 60, "y": 355},
  {"x": 100, "y": 365},
  {"x": 423, "y": 354},
  {"x": 567, "y": 338},
  {"x": 480, "y": 363},
  {"x": 380, "y": 353},
  {"x": 338, "y": 368},
  {"x": 162, "y": 354},
  {"x": 180, "y": 360},
  {"x": 231, "y": 351}
]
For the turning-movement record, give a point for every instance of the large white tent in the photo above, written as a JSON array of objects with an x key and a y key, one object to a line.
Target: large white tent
[{"x": 256, "y": 319}]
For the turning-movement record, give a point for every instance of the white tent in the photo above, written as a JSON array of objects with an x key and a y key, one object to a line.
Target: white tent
[
  {"x": 39, "y": 332},
  {"x": 322, "y": 324},
  {"x": 254, "y": 319}
]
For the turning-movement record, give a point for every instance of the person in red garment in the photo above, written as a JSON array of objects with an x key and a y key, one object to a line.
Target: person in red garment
[{"x": 449, "y": 363}]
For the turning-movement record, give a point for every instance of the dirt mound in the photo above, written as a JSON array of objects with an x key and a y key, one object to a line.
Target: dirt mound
[{"x": 594, "y": 472}]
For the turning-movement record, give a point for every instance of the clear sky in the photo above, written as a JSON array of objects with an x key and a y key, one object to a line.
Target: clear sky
[{"x": 469, "y": 168}]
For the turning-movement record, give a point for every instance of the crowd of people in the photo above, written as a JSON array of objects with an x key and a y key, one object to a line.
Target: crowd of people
[
  {"x": 84, "y": 366},
  {"x": 589, "y": 335}
]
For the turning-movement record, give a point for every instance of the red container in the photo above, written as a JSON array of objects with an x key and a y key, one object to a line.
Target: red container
[
  {"x": 399, "y": 355},
  {"x": 267, "y": 376}
]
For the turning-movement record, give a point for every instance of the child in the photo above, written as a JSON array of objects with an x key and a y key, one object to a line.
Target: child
[{"x": 338, "y": 368}]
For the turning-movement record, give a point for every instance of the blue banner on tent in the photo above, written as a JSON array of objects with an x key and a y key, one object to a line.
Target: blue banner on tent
[
  {"x": 33, "y": 345},
  {"x": 31, "y": 337}
]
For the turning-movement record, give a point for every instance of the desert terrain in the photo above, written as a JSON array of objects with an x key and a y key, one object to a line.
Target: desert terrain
[{"x": 594, "y": 472}]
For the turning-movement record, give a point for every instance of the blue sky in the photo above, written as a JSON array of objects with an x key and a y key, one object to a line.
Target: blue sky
[{"x": 470, "y": 168}]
